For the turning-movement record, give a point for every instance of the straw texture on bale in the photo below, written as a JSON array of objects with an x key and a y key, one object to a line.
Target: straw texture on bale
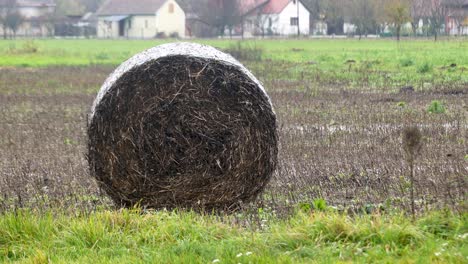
[{"x": 182, "y": 125}]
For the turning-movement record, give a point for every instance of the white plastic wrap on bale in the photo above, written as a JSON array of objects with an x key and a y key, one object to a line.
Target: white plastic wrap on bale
[{"x": 168, "y": 50}]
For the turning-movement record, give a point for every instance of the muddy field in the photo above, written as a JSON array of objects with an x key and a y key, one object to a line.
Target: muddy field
[{"x": 339, "y": 143}]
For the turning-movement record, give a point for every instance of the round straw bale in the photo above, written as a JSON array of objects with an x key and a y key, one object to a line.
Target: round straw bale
[{"x": 182, "y": 125}]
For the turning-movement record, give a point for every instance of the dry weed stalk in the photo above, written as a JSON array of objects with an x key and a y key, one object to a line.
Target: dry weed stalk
[{"x": 412, "y": 143}]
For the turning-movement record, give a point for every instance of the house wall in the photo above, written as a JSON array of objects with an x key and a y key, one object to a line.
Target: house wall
[
  {"x": 168, "y": 22},
  {"x": 141, "y": 27},
  {"x": 283, "y": 25},
  {"x": 106, "y": 29},
  {"x": 136, "y": 27},
  {"x": 146, "y": 26}
]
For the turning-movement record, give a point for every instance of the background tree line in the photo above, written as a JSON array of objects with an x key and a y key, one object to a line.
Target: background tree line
[
  {"x": 219, "y": 16},
  {"x": 11, "y": 18},
  {"x": 367, "y": 16},
  {"x": 372, "y": 16}
]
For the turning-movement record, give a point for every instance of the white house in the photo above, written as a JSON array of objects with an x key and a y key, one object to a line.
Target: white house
[
  {"x": 278, "y": 17},
  {"x": 36, "y": 16},
  {"x": 349, "y": 28},
  {"x": 140, "y": 19}
]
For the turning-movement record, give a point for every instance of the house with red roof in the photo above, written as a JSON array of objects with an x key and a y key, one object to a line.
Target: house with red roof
[
  {"x": 141, "y": 19},
  {"x": 262, "y": 17},
  {"x": 276, "y": 17}
]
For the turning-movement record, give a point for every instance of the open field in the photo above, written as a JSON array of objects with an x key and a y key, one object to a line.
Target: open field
[
  {"x": 424, "y": 64},
  {"x": 85, "y": 52},
  {"x": 340, "y": 133}
]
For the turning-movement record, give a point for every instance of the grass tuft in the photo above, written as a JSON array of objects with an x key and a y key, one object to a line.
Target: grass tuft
[{"x": 436, "y": 107}]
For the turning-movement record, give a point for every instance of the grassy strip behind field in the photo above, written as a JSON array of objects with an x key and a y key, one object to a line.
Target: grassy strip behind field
[
  {"x": 84, "y": 52},
  {"x": 369, "y": 63},
  {"x": 184, "y": 237}
]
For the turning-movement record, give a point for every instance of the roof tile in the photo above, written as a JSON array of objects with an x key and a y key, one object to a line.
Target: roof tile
[{"x": 275, "y": 6}]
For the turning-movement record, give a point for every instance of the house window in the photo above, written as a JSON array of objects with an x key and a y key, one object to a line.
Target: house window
[
  {"x": 294, "y": 21},
  {"x": 270, "y": 22},
  {"x": 146, "y": 23},
  {"x": 129, "y": 23},
  {"x": 171, "y": 8}
]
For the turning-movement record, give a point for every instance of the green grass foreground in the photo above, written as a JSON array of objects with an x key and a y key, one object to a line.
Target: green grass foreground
[{"x": 184, "y": 237}]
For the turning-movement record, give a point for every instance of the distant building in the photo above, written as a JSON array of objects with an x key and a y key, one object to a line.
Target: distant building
[
  {"x": 76, "y": 26},
  {"x": 349, "y": 28},
  {"x": 37, "y": 17},
  {"x": 319, "y": 28},
  {"x": 140, "y": 19},
  {"x": 276, "y": 17}
]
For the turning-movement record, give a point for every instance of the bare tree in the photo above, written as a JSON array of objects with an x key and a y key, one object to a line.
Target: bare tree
[
  {"x": 263, "y": 24},
  {"x": 316, "y": 11},
  {"x": 10, "y": 18},
  {"x": 198, "y": 17},
  {"x": 47, "y": 23},
  {"x": 334, "y": 16},
  {"x": 219, "y": 14},
  {"x": 418, "y": 11},
  {"x": 380, "y": 15},
  {"x": 397, "y": 13},
  {"x": 14, "y": 20},
  {"x": 362, "y": 16},
  {"x": 230, "y": 16},
  {"x": 437, "y": 15},
  {"x": 457, "y": 13},
  {"x": 4, "y": 24},
  {"x": 6, "y": 7}
]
